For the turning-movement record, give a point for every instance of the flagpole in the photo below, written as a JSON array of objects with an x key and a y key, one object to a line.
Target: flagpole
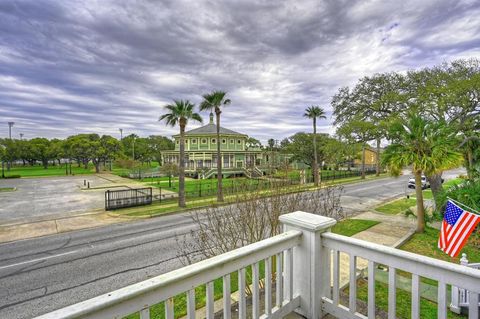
[{"x": 472, "y": 210}]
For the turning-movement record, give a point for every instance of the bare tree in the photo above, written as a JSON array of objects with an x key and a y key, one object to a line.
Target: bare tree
[{"x": 253, "y": 216}]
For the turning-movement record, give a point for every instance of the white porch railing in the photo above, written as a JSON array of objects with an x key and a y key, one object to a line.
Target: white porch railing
[
  {"x": 307, "y": 256},
  {"x": 461, "y": 296}
]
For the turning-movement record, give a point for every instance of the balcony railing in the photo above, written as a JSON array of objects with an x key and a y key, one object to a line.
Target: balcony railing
[{"x": 302, "y": 274}]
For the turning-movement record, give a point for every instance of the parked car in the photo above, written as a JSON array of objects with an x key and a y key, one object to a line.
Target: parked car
[{"x": 425, "y": 183}]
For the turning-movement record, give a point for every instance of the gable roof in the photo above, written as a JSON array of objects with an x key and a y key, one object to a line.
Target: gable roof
[{"x": 210, "y": 129}]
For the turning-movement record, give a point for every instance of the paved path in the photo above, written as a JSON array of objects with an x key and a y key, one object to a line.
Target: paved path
[{"x": 47, "y": 198}]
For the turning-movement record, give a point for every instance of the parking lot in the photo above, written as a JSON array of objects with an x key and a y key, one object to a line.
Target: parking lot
[{"x": 40, "y": 198}]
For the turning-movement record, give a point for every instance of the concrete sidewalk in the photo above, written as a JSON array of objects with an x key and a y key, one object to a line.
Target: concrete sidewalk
[
  {"x": 15, "y": 232},
  {"x": 393, "y": 231}
]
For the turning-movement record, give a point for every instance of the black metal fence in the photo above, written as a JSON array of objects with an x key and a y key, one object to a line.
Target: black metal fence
[
  {"x": 128, "y": 198},
  {"x": 233, "y": 186}
]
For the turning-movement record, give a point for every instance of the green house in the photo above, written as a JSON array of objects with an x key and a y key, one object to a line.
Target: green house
[{"x": 201, "y": 153}]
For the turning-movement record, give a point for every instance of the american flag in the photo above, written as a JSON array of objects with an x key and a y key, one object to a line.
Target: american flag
[{"x": 457, "y": 226}]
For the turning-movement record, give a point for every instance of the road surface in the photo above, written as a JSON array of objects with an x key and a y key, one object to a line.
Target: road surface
[{"x": 43, "y": 274}]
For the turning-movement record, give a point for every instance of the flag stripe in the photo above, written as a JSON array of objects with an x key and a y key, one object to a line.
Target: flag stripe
[
  {"x": 457, "y": 226},
  {"x": 465, "y": 236},
  {"x": 458, "y": 231}
]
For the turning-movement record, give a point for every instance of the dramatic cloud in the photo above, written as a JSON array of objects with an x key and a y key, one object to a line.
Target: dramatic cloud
[{"x": 69, "y": 67}]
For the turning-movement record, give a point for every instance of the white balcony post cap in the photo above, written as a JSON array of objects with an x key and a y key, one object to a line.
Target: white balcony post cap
[{"x": 307, "y": 221}]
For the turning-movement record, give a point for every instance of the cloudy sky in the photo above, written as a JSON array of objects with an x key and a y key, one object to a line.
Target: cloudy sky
[{"x": 69, "y": 67}]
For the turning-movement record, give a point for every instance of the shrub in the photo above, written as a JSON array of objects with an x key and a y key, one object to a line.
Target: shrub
[{"x": 467, "y": 193}]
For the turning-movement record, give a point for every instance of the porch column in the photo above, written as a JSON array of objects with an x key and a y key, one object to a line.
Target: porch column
[{"x": 311, "y": 262}]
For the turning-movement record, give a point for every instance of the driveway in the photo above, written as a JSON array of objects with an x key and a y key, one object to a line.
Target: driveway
[{"x": 40, "y": 198}]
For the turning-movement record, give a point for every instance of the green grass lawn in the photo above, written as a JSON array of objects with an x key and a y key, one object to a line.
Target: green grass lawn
[
  {"x": 397, "y": 206},
  {"x": 6, "y": 189},
  {"x": 350, "y": 227},
  {"x": 38, "y": 171},
  {"x": 426, "y": 244},
  {"x": 59, "y": 170},
  {"x": 208, "y": 187},
  {"x": 428, "y": 309}
]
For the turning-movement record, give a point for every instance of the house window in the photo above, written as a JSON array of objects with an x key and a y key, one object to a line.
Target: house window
[
  {"x": 214, "y": 141},
  {"x": 239, "y": 142},
  {"x": 224, "y": 141},
  {"x": 232, "y": 141},
  {"x": 194, "y": 141},
  {"x": 204, "y": 141}
]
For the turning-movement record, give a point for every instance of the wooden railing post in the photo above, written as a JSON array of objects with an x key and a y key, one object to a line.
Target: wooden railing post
[{"x": 311, "y": 261}]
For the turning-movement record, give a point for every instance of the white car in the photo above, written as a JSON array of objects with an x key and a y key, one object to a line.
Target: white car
[{"x": 425, "y": 183}]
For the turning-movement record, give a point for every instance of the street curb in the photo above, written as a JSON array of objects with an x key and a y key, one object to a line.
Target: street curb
[
  {"x": 51, "y": 218},
  {"x": 404, "y": 239}
]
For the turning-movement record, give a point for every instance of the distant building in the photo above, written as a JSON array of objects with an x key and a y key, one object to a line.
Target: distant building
[
  {"x": 370, "y": 158},
  {"x": 201, "y": 153}
]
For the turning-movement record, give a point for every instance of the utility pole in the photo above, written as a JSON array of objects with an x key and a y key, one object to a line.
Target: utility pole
[
  {"x": 10, "y": 125},
  {"x": 121, "y": 133}
]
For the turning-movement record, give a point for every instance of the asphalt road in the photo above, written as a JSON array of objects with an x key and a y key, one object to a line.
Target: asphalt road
[{"x": 47, "y": 273}]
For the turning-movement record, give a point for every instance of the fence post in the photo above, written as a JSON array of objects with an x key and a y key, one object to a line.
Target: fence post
[
  {"x": 311, "y": 261},
  {"x": 107, "y": 198}
]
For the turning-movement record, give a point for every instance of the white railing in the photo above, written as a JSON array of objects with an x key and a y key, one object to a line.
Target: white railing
[
  {"x": 461, "y": 296},
  {"x": 419, "y": 266},
  {"x": 141, "y": 296},
  {"x": 307, "y": 279}
]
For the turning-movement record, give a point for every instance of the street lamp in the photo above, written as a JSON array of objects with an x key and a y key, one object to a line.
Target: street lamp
[
  {"x": 121, "y": 133},
  {"x": 21, "y": 136},
  {"x": 10, "y": 125}
]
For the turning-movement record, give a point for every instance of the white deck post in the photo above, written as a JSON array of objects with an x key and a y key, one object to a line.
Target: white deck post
[
  {"x": 311, "y": 261},
  {"x": 455, "y": 300}
]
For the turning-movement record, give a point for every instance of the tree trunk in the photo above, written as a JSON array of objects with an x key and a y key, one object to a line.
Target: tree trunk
[
  {"x": 420, "y": 208},
  {"x": 181, "y": 173},
  {"x": 435, "y": 181},
  {"x": 470, "y": 163},
  {"x": 315, "y": 155},
  {"x": 219, "y": 160},
  {"x": 377, "y": 173},
  {"x": 45, "y": 164},
  {"x": 363, "y": 161},
  {"x": 97, "y": 166}
]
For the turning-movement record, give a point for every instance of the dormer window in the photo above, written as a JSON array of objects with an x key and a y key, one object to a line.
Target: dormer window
[
  {"x": 224, "y": 141},
  {"x": 232, "y": 141},
  {"x": 204, "y": 141},
  {"x": 214, "y": 141},
  {"x": 239, "y": 142},
  {"x": 194, "y": 141}
]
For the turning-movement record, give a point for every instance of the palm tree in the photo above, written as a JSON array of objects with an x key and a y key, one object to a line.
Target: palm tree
[
  {"x": 213, "y": 102},
  {"x": 427, "y": 147},
  {"x": 315, "y": 112},
  {"x": 180, "y": 112}
]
